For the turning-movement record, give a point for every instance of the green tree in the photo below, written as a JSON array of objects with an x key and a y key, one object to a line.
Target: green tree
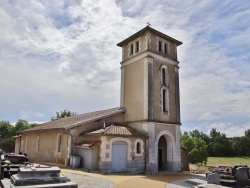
[
  {"x": 63, "y": 114},
  {"x": 5, "y": 129},
  {"x": 20, "y": 126},
  {"x": 7, "y": 145},
  {"x": 196, "y": 149},
  {"x": 198, "y": 134},
  {"x": 247, "y": 133},
  {"x": 220, "y": 145}
]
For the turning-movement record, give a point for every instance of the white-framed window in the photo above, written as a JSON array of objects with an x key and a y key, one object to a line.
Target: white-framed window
[
  {"x": 138, "y": 147},
  {"x": 162, "y": 46},
  {"x": 37, "y": 143},
  {"x": 58, "y": 143},
  {"x": 164, "y": 90},
  {"x": 134, "y": 47}
]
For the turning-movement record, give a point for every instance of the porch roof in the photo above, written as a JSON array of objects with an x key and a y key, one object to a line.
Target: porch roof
[
  {"x": 87, "y": 144},
  {"x": 117, "y": 130},
  {"x": 77, "y": 120}
]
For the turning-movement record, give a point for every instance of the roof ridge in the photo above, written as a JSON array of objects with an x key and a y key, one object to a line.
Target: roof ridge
[
  {"x": 78, "y": 120},
  {"x": 137, "y": 130},
  {"x": 109, "y": 127}
]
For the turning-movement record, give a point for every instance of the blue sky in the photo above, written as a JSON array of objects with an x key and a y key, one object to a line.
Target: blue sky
[{"x": 63, "y": 55}]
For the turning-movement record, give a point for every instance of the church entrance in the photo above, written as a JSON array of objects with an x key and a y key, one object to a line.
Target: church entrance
[
  {"x": 162, "y": 154},
  {"x": 166, "y": 149}
]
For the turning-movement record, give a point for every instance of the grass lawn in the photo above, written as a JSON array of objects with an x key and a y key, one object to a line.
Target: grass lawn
[{"x": 227, "y": 161}]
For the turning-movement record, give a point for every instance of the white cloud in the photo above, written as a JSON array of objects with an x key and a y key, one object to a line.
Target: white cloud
[
  {"x": 207, "y": 117},
  {"x": 63, "y": 55},
  {"x": 231, "y": 130}
]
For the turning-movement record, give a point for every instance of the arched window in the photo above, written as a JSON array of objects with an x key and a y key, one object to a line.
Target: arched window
[
  {"x": 163, "y": 75},
  {"x": 37, "y": 143},
  {"x": 138, "y": 148},
  {"x": 58, "y": 149},
  {"x": 164, "y": 89}
]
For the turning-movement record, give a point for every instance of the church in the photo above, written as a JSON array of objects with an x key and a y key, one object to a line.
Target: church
[{"x": 142, "y": 135}]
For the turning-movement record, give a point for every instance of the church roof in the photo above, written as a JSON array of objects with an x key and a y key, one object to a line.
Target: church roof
[
  {"x": 117, "y": 130},
  {"x": 120, "y": 44},
  {"x": 77, "y": 120}
]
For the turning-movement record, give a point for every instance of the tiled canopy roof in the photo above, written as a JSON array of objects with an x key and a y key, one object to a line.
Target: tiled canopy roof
[
  {"x": 87, "y": 144},
  {"x": 77, "y": 120},
  {"x": 117, "y": 130}
]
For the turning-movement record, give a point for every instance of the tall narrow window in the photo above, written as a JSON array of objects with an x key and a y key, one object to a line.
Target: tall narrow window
[
  {"x": 163, "y": 77},
  {"x": 165, "y": 48},
  {"x": 164, "y": 90},
  {"x": 159, "y": 46},
  {"x": 137, "y": 46},
  {"x": 138, "y": 148},
  {"x": 131, "y": 49},
  {"x": 164, "y": 100},
  {"x": 58, "y": 143},
  {"x": 37, "y": 143}
]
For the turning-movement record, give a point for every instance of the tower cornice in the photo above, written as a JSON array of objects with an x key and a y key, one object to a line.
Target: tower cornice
[{"x": 151, "y": 54}]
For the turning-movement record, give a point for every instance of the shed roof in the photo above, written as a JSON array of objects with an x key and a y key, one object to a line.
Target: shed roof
[
  {"x": 77, "y": 120},
  {"x": 87, "y": 144}
]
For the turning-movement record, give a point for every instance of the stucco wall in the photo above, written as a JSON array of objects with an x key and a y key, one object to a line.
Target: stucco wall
[
  {"x": 47, "y": 146},
  {"x": 153, "y": 44},
  {"x": 135, "y": 163},
  {"x": 148, "y": 41},
  {"x": 158, "y": 115},
  {"x": 134, "y": 91}
]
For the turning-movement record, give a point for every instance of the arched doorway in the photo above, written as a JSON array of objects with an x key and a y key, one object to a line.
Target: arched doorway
[
  {"x": 119, "y": 156},
  {"x": 165, "y": 144},
  {"x": 162, "y": 154}
]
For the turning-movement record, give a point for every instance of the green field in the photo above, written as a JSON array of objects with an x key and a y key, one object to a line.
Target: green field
[{"x": 227, "y": 161}]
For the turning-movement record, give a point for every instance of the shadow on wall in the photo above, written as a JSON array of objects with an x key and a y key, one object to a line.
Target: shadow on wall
[{"x": 184, "y": 160}]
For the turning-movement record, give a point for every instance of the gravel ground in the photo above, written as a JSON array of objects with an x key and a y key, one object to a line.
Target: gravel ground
[
  {"x": 182, "y": 183},
  {"x": 88, "y": 182}
]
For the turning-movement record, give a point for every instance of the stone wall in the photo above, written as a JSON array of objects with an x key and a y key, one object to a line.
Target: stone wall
[{"x": 136, "y": 166}]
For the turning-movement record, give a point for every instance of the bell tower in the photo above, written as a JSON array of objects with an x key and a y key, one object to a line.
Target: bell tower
[
  {"x": 150, "y": 94},
  {"x": 149, "y": 77}
]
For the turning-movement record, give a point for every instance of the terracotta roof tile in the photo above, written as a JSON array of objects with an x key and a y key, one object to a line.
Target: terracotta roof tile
[
  {"x": 77, "y": 120},
  {"x": 117, "y": 130},
  {"x": 87, "y": 144}
]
